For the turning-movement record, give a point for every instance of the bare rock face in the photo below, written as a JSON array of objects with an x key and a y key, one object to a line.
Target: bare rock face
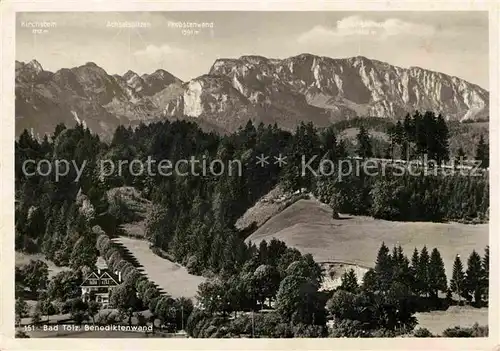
[
  {"x": 287, "y": 91},
  {"x": 368, "y": 87},
  {"x": 88, "y": 95},
  {"x": 322, "y": 90}
]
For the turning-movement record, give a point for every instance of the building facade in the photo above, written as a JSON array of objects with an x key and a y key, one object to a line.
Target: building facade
[{"x": 98, "y": 284}]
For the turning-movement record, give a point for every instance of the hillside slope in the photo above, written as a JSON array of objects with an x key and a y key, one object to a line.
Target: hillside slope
[{"x": 308, "y": 225}]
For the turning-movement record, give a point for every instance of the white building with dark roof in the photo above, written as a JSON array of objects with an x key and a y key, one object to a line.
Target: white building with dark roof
[{"x": 98, "y": 284}]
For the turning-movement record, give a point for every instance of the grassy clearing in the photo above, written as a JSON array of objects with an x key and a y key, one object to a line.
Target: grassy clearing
[
  {"x": 171, "y": 277},
  {"x": 308, "y": 226},
  {"x": 463, "y": 316}
]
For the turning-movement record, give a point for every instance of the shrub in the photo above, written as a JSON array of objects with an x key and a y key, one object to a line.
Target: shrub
[
  {"x": 209, "y": 331},
  {"x": 107, "y": 318},
  {"x": 37, "y": 317},
  {"x": 241, "y": 325},
  {"x": 192, "y": 265},
  {"x": 422, "y": 333},
  {"x": 21, "y": 334},
  {"x": 382, "y": 333},
  {"x": 348, "y": 329},
  {"x": 198, "y": 328},
  {"x": 309, "y": 331},
  {"x": 141, "y": 285},
  {"x": 283, "y": 330},
  {"x": 150, "y": 293},
  {"x": 120, "y": 266},
  {"x": 479, "y": 331},
  {"x": 222, "y": 332},
  {"x": 127, "y": 271},
  {"x": 132, "y": 277},
  {"x": 458, "y": 332},
  {"x": 194, "y": 318}
]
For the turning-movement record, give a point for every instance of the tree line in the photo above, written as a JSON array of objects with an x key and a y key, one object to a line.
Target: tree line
[
  {"x": 48, "y": 218},
  {"x": 193, "y": 216},
  {"x": 385, "y": 302},
  {"x": 420, "y": 134}
]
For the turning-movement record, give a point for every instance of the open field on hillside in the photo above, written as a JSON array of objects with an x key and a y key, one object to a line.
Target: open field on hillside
[
  {"x": 308, "y": 226},
  {"x": 171, "y": 277},
  {"x": 268, "y": 206},
  {"x": 464, "y": 316},
  {"x": 22, "y": 258}
]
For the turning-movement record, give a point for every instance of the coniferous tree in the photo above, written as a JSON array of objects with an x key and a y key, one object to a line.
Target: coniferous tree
[
  {"x": 458, "y": 278},
  {"x": 401, "y": 267},
  {"x": 423, "y": 271},
  {"x": 342, "y": 148},
  {"x": 474, "y": 277},
  {"x": 415, "y": 260},
  {"x": 429, "y": 143},
  {"x": 304, "y": 149},
  {"x": 486, "y": 272},
  {"x": 329, "y": 144},
  {"x": 409, "y": 128},
  {"x": 441, "y": 138},
  {"x": 383, "y": 268},
  {"x": 437, "y": 274},
  {"x": 349, "y": 282},
  {"x": 364, "y": 146},
  {"x": 482, "y": 153},
  {"x": 420, "y": 134}
]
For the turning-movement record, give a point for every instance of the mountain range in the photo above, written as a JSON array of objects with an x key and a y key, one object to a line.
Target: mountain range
[{"x": 283, "y": 91}]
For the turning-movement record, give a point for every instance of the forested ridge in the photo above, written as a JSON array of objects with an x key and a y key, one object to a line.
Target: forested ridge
[{"x": 193, "y": 216}]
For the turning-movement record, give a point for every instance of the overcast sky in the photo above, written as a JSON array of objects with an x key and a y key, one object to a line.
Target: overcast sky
[{"x": 454, "y": 43}]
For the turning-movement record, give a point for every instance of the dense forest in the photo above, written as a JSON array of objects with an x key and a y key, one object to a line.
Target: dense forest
[{"x": 194, "y": 214}]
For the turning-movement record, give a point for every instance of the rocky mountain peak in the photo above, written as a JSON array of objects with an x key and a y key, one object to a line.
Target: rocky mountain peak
[
  {"x": 285, "y": 91},
  {"x": 161, "y": 73},
  {"x": 130, "y": 74},
  {"x": 35, "y": 65},
  {"x": 254, "y": 59},
  {"x": 356, "y": 86}
]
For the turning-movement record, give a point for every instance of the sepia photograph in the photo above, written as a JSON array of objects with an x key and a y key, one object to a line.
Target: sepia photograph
[{"x": 252, "y": 174}]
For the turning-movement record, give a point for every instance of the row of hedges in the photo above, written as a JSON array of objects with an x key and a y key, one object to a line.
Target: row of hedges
[
  {"x": 146, "y": 289},
  {"x": 168, "y": 310}
]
